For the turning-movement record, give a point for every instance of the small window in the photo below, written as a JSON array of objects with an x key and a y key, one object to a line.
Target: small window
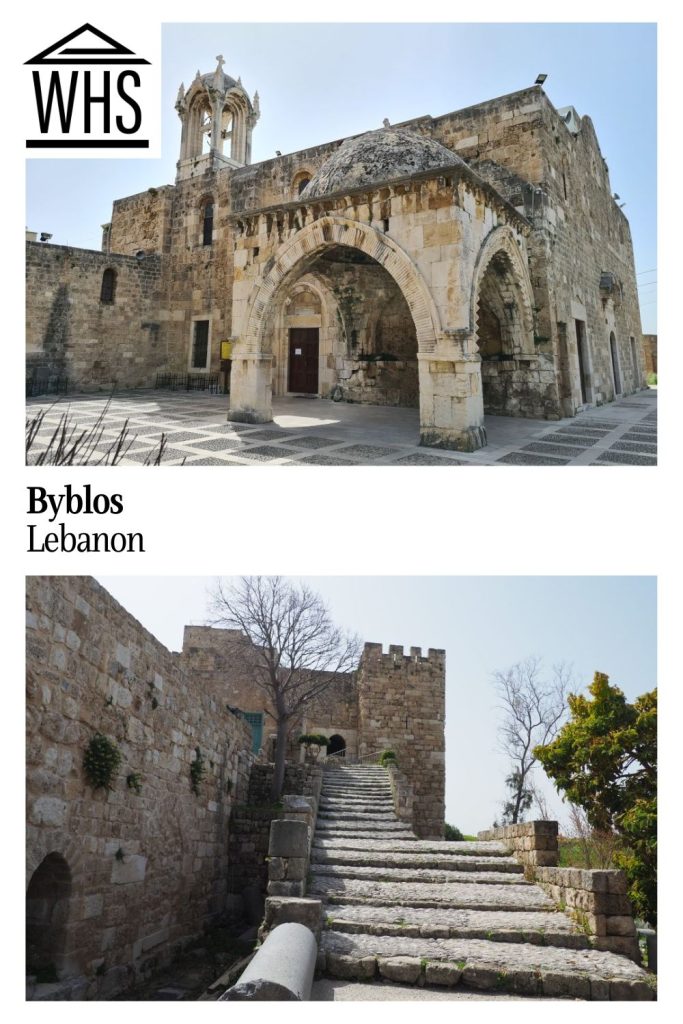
[
  {"x": 200, "y": 344},
  {"x": 108, "y": 286},
  {"x": 207, "y": 225},
  {"x": 302, "y": 185}
]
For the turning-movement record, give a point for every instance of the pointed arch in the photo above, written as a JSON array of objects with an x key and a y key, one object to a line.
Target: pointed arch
[
  {"x": 319, "y": 235},
  {"x": 501, "y": 243}
]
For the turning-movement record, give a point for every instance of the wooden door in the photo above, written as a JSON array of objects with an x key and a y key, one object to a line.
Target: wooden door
[{"x": 303, "y": 360}]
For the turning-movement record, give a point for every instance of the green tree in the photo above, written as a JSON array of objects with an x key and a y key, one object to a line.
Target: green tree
[
  {"x": 605, "y": 760},
  {"x": 452, "y": 832}
]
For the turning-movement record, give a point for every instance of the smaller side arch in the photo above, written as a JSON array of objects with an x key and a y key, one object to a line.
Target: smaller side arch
[{"x": 502, "y": 240}]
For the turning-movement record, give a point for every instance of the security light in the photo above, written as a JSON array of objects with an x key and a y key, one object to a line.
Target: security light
[{"x": 540, "y": 80}]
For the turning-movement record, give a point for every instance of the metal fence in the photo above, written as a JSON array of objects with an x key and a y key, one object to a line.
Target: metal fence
[
  {"x": 210, "y": 382},
  {"x": 43, "y": 383}
]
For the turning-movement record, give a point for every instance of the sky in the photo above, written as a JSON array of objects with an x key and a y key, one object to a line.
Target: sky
[
  {"x": 355, "y": 75},
  {"x": 485, "y": 623}
]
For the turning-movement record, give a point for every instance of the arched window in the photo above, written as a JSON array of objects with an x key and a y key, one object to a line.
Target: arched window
[
  {"x": 207, "y": 223},
  {"x": 108, "y": 289},
  {"x": 300, "y": 181}
]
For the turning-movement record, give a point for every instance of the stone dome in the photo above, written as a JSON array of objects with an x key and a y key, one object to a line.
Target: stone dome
[
  {"x": 210, "y": 79},
  {"x": 382, "y": 155}
]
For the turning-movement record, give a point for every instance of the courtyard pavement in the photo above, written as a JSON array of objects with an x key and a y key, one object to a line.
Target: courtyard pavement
[{"x": 319, "y": 432}]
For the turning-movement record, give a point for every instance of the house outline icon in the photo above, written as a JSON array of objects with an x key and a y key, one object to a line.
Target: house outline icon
[{"x": 112, "y": 53}]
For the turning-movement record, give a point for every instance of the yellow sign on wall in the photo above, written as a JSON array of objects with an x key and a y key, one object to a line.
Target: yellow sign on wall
[{"x": 226, "y": 350}]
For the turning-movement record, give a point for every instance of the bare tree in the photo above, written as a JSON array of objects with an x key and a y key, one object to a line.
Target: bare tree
[
  {"x": 295, "y": 651},
  {"x": 532, "y": 707}
]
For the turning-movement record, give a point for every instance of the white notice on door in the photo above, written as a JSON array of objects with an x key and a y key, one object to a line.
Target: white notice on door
[{"x": 297, "y": 351}]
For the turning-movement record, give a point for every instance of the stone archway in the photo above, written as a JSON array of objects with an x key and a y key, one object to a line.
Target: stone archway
[
  {"x": 251, "y": 398},
  {"x": 47, "y": 913},
  {"x": 501, "y": 318}
]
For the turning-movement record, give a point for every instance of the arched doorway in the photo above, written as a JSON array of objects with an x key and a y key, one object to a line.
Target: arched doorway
[
  {"x": 341, "y": 327},
  {"x": 47, "y": 913},
  {"x": 503, "y": 324},
  {"x": 376, "y": 314},
  {"x": 336, "y": 746}
]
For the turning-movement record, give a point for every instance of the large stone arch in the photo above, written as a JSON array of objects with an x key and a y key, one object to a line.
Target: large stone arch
[
  {"x": 502, "y": 240},
  {"x": 321, "y": 234}
]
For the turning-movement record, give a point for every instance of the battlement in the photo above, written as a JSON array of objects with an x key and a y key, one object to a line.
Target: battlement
[{"x": 373, "y": 653}]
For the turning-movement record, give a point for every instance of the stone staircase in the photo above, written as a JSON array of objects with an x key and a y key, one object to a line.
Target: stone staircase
[{"x": 443, "y": 913}]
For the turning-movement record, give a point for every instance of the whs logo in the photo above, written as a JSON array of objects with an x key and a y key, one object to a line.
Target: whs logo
[{"x": 91, "y": 93}]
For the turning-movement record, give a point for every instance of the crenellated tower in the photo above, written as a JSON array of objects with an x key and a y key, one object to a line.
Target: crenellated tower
[
  {"x": 217, "y": 118},
  {"x": 401, "y": 706}
]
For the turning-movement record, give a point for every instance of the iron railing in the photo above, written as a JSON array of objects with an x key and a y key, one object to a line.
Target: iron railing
[
  {"x": 344, "y": 758},
  {"x": 210, "y": 382},
  {"x": 43, "y": 383}
]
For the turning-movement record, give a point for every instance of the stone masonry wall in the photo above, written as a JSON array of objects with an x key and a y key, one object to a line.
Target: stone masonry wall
[
  {"x": 96, "y": 344},
  {"x": 402, "y": 707},
  {"x": 147, "y": 870},
  {"x": 214, "y": 655}
]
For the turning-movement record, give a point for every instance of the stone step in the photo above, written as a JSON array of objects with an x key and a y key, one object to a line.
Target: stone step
[
  {"x": 385, "y": 859},
  {"x": 357, "y": 815},
  {"x": 519, "y": 968},
  {"x": 341, "y": 809},
  {"x": 467, "y": 895},
  {"x": 326, "y": 825},
  {"x": 417, "y": 874},
  {"x": 552, "y": 928},
  {"x": 356, "y": 793},
  {"x": 489, "y": 848},
  {"x": 372, "y": 835}
]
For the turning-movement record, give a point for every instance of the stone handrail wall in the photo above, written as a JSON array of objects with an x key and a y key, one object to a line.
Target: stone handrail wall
[
  {"x": 534, "y": 843},
  {"x": 402, "y": 793},
  {"x": 291, "y": 838},
  {"x": 598, "y": 901}
]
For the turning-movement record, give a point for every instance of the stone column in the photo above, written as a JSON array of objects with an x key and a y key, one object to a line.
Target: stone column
[
  {"x": 451, "y": 401},
  {"x": 251, "y": 387}
]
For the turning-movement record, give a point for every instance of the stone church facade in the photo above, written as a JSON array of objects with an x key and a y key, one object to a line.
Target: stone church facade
[{"x": 466, "y": 264}]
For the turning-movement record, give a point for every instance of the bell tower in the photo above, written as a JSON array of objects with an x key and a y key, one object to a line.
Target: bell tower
[{"x": 217, "y": 119}]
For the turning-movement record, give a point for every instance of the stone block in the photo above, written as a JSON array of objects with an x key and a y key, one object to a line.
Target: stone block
[
  {"x": 438, "y": 973},
  {"x": 48, "y": 810},
  {"x": 288, "y": 839},
  {"x": 623, "y": 925},
  {"x": 480, "y": 977},
  {"x": 563, "y": 986},
  {"x": 406, "y": 969},
  {"x": 351, "y": 967},
  {"x": 131, "y": 869},
  {"x": 93, "y": 905},
  {"x": 283, "y": 910}
]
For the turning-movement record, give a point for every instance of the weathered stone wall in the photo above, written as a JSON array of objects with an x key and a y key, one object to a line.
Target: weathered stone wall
[
  {"x": 96, "y": 344},
  {"x": 142, "y": 222},
  {"x": 402, "y": 707},
  {"x": 560, "y": 181},
  {"x": 598, "y": 901},
  {"x": 214, "y": 655},
  {"x": 534, "y": 843},
  {"x": 650, "y": 353},
  {"x": 146, "y": 871}
]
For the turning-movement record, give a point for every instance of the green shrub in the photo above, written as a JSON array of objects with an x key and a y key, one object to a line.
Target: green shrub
[
  {"x": 387, "y": 757},
  {"x": 101, "y": 761},
  {"x": 452, "y": 833},
  {"x": 314, "y": 739},
  {"x": 652, "y": 379}
]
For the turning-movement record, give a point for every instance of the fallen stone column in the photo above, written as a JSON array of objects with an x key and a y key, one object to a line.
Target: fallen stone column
[{"x": 282, "y": 969}]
